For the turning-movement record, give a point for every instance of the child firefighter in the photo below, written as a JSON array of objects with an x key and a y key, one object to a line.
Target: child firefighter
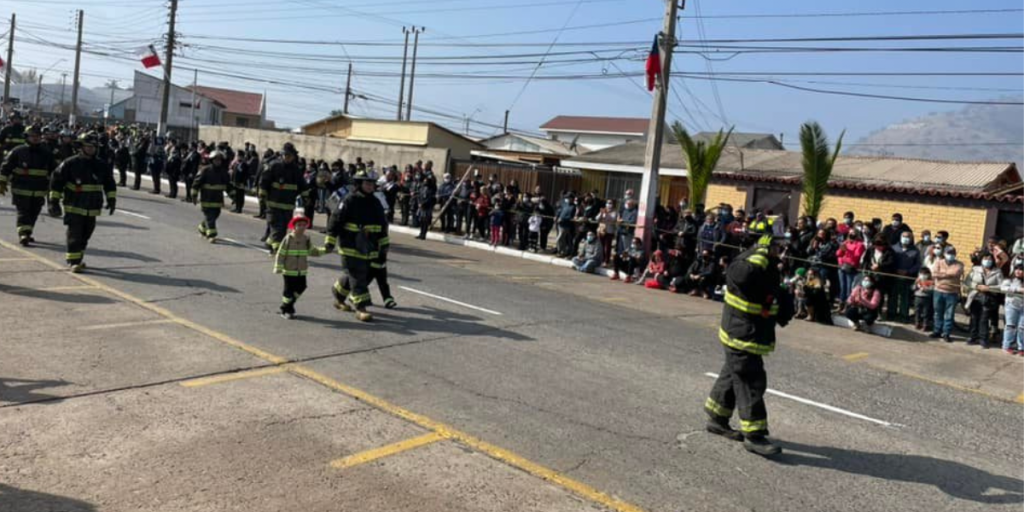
[{"x": 292, "y": 262}]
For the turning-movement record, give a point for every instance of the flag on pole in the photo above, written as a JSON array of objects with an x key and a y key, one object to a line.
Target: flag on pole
[
  {"x": 2, "y": 63},
  {"x": 149, "y": 57},
  {"x": 653, "y": 66}
]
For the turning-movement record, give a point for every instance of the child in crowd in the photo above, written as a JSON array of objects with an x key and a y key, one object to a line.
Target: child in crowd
[
  {"x": 534, "y": 224},
  {"x": 815, "y": 293},
  {"x": 292, "y": 262},
  {"x": 863, "y": 304},
  {"x": 795, "y": 284},
  {"x": 655, "y": 269},
  {"x": 497, "y": 222},
  {"x": 924, "y": 293}
]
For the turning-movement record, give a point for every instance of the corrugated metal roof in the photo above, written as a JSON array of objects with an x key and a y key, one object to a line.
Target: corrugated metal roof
[{"x": 598, "y": 124}]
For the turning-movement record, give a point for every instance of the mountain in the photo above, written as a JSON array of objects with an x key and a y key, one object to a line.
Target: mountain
[{"x": 955, "y": 135}]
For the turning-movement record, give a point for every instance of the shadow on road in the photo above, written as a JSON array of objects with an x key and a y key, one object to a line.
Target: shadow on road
[
  {"x": 20, "y": 500},
  {"x": 20, "y": 391},
  {"x": 71, "y": 298},
  {"x": 115, "y": 224},
  {"x": 432, "y": 320},
  {"x": 99, "y": 252},
  {"x": 953, "y": 478},
  {"x": 419, "y": 252},
  {"x": 160, "y": 280}
]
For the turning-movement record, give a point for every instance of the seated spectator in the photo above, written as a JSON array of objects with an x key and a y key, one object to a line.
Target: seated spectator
[
  {"x": 981, "y": 303},
  {"x": 924, "y": 295},
  {"x": 630, "y": 261},
  {"x": 723, "y": 263},
  {"x": 589, "y": 257},
  {"x": 816, "y": 296},
  {"x": 863, "y": 304},
  {"x": 1013, "y": 334},
  {"x": 948, "y": 274},
  {"x": 655, "y": 271},
  {"x": 702, "y": 276},
  {"x": 679, "y": 263}
]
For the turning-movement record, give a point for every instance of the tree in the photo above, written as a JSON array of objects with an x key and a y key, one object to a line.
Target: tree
[
  {"x": 701, "y": 159},
  {"x": 336, "y": 113},
  {"x": 817, "y": 163},
  {"x": 28, "y": 77},
  {"x": 111, "y": 84}
]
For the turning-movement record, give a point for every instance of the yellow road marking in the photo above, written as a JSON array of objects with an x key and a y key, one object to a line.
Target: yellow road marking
[
  {"x": 857, "y": 356},
  {"x": 65, "y": 288},
  {"x": 500, "y": 454},
  {"x": 125, "y": 324},
  {"x": 386, "y": 451},
  {"x": 1020, "y": 398},
  {"x": 217, "y": 379}
]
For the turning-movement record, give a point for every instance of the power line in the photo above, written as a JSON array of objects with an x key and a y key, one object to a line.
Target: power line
[{"x": 546, "y": 53}]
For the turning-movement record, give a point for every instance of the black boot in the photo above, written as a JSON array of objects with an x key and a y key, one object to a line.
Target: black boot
[
  {"x": 761, "y": 445},
  {"x": 720, "y": 427}
]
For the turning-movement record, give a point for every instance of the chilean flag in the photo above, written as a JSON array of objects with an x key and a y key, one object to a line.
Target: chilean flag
[
  {"x": 653, "y": 66},
  {"x": 149, "y": 57}
]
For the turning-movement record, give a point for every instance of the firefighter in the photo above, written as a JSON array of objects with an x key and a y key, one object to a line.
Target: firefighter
[
  {"x": 50, "y": 140},
  {"x": 26, "y": 169},
  {"x": 12, "y": 135},
  {"x": 82, "y": 183},
  {"x": 281, "y": 184},
  {"x": 359, "y": 229},
  {"x": 66, "y": 147},
  {"x": 262, "y": 165},
  {"x": 189, "y": 168},
  {"x": 208, "y": 189},
  {"x": 140, "y": 152},
  {"x": 754, "y": 303}
]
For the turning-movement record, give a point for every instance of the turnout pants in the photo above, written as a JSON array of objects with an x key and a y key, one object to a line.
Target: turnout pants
[
  {"x": 293, "y": 288},
  {"x": 28, "y": 213},
  {"x": 79, "y": 231},
  {"x": 741, "y": 385},
  {"x": 208, "y": 227},
  {"x": 354, "y": 283},
  {"x": 277, "y": 222}
]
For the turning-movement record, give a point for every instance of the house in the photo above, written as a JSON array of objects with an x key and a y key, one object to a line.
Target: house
[
  {"x": 745, "y": 140},
  {"x": 971, "y": 200},
  {"x": 182, "y": 116},
  {"x": 514, "y": 147},
  {"x": 401, "y": 133},
  {"x": 594, "y": 133},
  {"x": 242, "y": 109}
]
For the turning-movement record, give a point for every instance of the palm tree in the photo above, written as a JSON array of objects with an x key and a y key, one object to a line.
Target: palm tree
[
  {"x": 701, "y": 159},
  {"x": 817, "y": 163}
]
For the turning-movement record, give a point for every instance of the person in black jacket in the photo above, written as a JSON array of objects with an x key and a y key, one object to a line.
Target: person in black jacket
[
  {"x": 282, "y": 184},
  {"x": 122, "y": 160},
  {"x": 881, "y": 260},
  {"x": 427, "y": 199},
  {"x": 524, "y": 210},
  {"x": 175, "y": 164},
  {"x": 189, "y": 168},
  {"x": 27, "y": 168},
  {"x": 82, "y": 183},
  {"x": 210, "y": 184},
  {"x": 239, "y": 180},
  {"x": 702, "y": 276},
  {"x": 547, "y": 220}
]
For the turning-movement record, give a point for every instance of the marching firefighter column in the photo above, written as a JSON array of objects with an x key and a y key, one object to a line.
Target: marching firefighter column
[
  {"x": 81, "y": 183},
  {"x": 26, "y": 169},
  {"x": 754, "y": 302},
  {"x": 281, "y": 185},
  {"x": 208, "y": 189},
  {"x": 359, "y": 229}
]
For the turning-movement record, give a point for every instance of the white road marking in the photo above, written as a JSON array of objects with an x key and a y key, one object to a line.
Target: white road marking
[
  {"x": 823, "y": 406},
  {"x": 243, "y": 244},
  {"x": 133, "y": 214},
  {"x": 446, "y": 299}
]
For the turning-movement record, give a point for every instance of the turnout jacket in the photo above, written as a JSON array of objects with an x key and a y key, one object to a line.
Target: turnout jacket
[
  {"x": 281, "y": 184},
  {"x": 11, "y": 136},
  {"x": 28, "y": 169},
  {"x": 359, "y": 228},
  {"x": 754, "y": 303},
  {"x": 82, "y": 183},
  {"x": 209, "y": 186},
  {"x": 293, "y": 255}
]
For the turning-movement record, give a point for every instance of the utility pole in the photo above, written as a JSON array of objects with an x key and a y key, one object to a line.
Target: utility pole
[
  {"x": 192, "y": 117},
  {"x": 505, "y": 125},
  {"x": 656, "y": 130},
  {"x": 63, "y": 82},
  {"x": 401, "y": 86},
  {"x": 10, "y": 56},
  {"x": 348, "y": 89},
  {"x": 78, "y": 62},
  {"x": 111, "y": 105},
  {"x": 412, "y": 71},
  {"x": 161, "y": 127},
  {"x": 39, "y": 91}
]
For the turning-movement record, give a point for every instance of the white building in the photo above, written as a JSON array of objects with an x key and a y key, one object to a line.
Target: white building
[
  {"x": 594, "y": 133},
  {"x": 144, "y": 105}
]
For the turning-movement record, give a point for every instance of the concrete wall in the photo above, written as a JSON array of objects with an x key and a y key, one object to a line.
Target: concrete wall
[{"x": 327, "y": 148}]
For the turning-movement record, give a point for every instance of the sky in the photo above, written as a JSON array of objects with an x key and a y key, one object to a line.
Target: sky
[{"x": 477, "y": 57}]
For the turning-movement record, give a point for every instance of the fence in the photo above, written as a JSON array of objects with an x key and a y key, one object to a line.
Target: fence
[{"x": 552, "y": 181}]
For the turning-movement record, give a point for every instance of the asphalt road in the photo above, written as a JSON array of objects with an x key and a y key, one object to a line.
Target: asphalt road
[{"x": 605, "y": 395}]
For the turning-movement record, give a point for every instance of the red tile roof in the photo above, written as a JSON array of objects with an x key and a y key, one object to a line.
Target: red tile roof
[
  {"x": 235, "y": 102},
  {"x": 598, "y": 124}
]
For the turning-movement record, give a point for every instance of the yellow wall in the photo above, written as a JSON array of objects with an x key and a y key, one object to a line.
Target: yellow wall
[
  {"x": 337, "y": 127},
  {"x": 458, "y": 146},
  {"x": 389, "y": 131},
  {"x": 966, "y": 226},
  {"x": 594, "y": 180},
  {"x": 729, "y": 194}
]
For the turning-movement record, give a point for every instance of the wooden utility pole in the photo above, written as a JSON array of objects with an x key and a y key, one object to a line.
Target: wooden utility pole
[
  {"x": 412, "y": 72},
  {"x": 78, "y": 62},
  {"x": 348, "y": 89},
  {"x": 161, "y": 127},
  {"x": 505, "y": 125},
  {"x": 192, "y": 124},
  {"x": 63, "y": 83},
  {"x": 656, "y": 130},
  {"x": 39, "y": 91},
  {"x": 10, "y": 57},
  {"x": 401, "y": 86}
]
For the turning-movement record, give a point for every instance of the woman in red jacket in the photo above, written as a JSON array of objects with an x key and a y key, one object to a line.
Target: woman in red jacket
[
  {"x": 863, "y": 303},
  {"x": 849, "y": 256}
]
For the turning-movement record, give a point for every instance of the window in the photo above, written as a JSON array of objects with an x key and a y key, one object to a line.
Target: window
[{"x": 242, "y": 122}]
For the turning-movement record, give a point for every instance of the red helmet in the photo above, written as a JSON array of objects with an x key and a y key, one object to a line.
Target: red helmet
[{"x": 298, "y": 218}]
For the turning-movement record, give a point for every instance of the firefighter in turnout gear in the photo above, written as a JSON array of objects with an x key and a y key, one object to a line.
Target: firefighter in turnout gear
[
  {"x": 280, "y": 186},
  {"x": 359, "y": 229},
  {"x": 755, "y": 302},
  {"x": 209, "y": 187},
  {"x": 12, "y": 135},
  {"x": 82, "y": 183},
  {"x": 26, "y": 170}
]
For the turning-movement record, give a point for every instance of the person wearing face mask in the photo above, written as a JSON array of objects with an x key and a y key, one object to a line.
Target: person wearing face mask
[
  {"x": 686, "y": 231},
  {"x": 880, "y": 260},
  {"x": 846, "y": 226},
  {"x": 608, "y": 227},
  {"x": 1013, "y": 334},
  {"x": 565, "y": 218},
  {"x": 981, "y": 303},
  {"x": 822, "y": 252},
  {"x": 444, "y": 194},
  {"x": 849, "y": 256},
  {"x": 924, "y": 297},
  {"x": 895, "y": 229},
  {"x": 627, "y": 225},
  {"x": 925, "y": 243},
  {"x": 701, "y": 277},
  {"x": 864, "y": 303},
  {"x": 997, "y": 248},
  {"x": 710, "y": 234},
  {"x": 589, "y": 257},
  {"x": 906, "y": 263},
  {"x": 629, "y": 261},
  {"x": 948, "y": 274}
]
